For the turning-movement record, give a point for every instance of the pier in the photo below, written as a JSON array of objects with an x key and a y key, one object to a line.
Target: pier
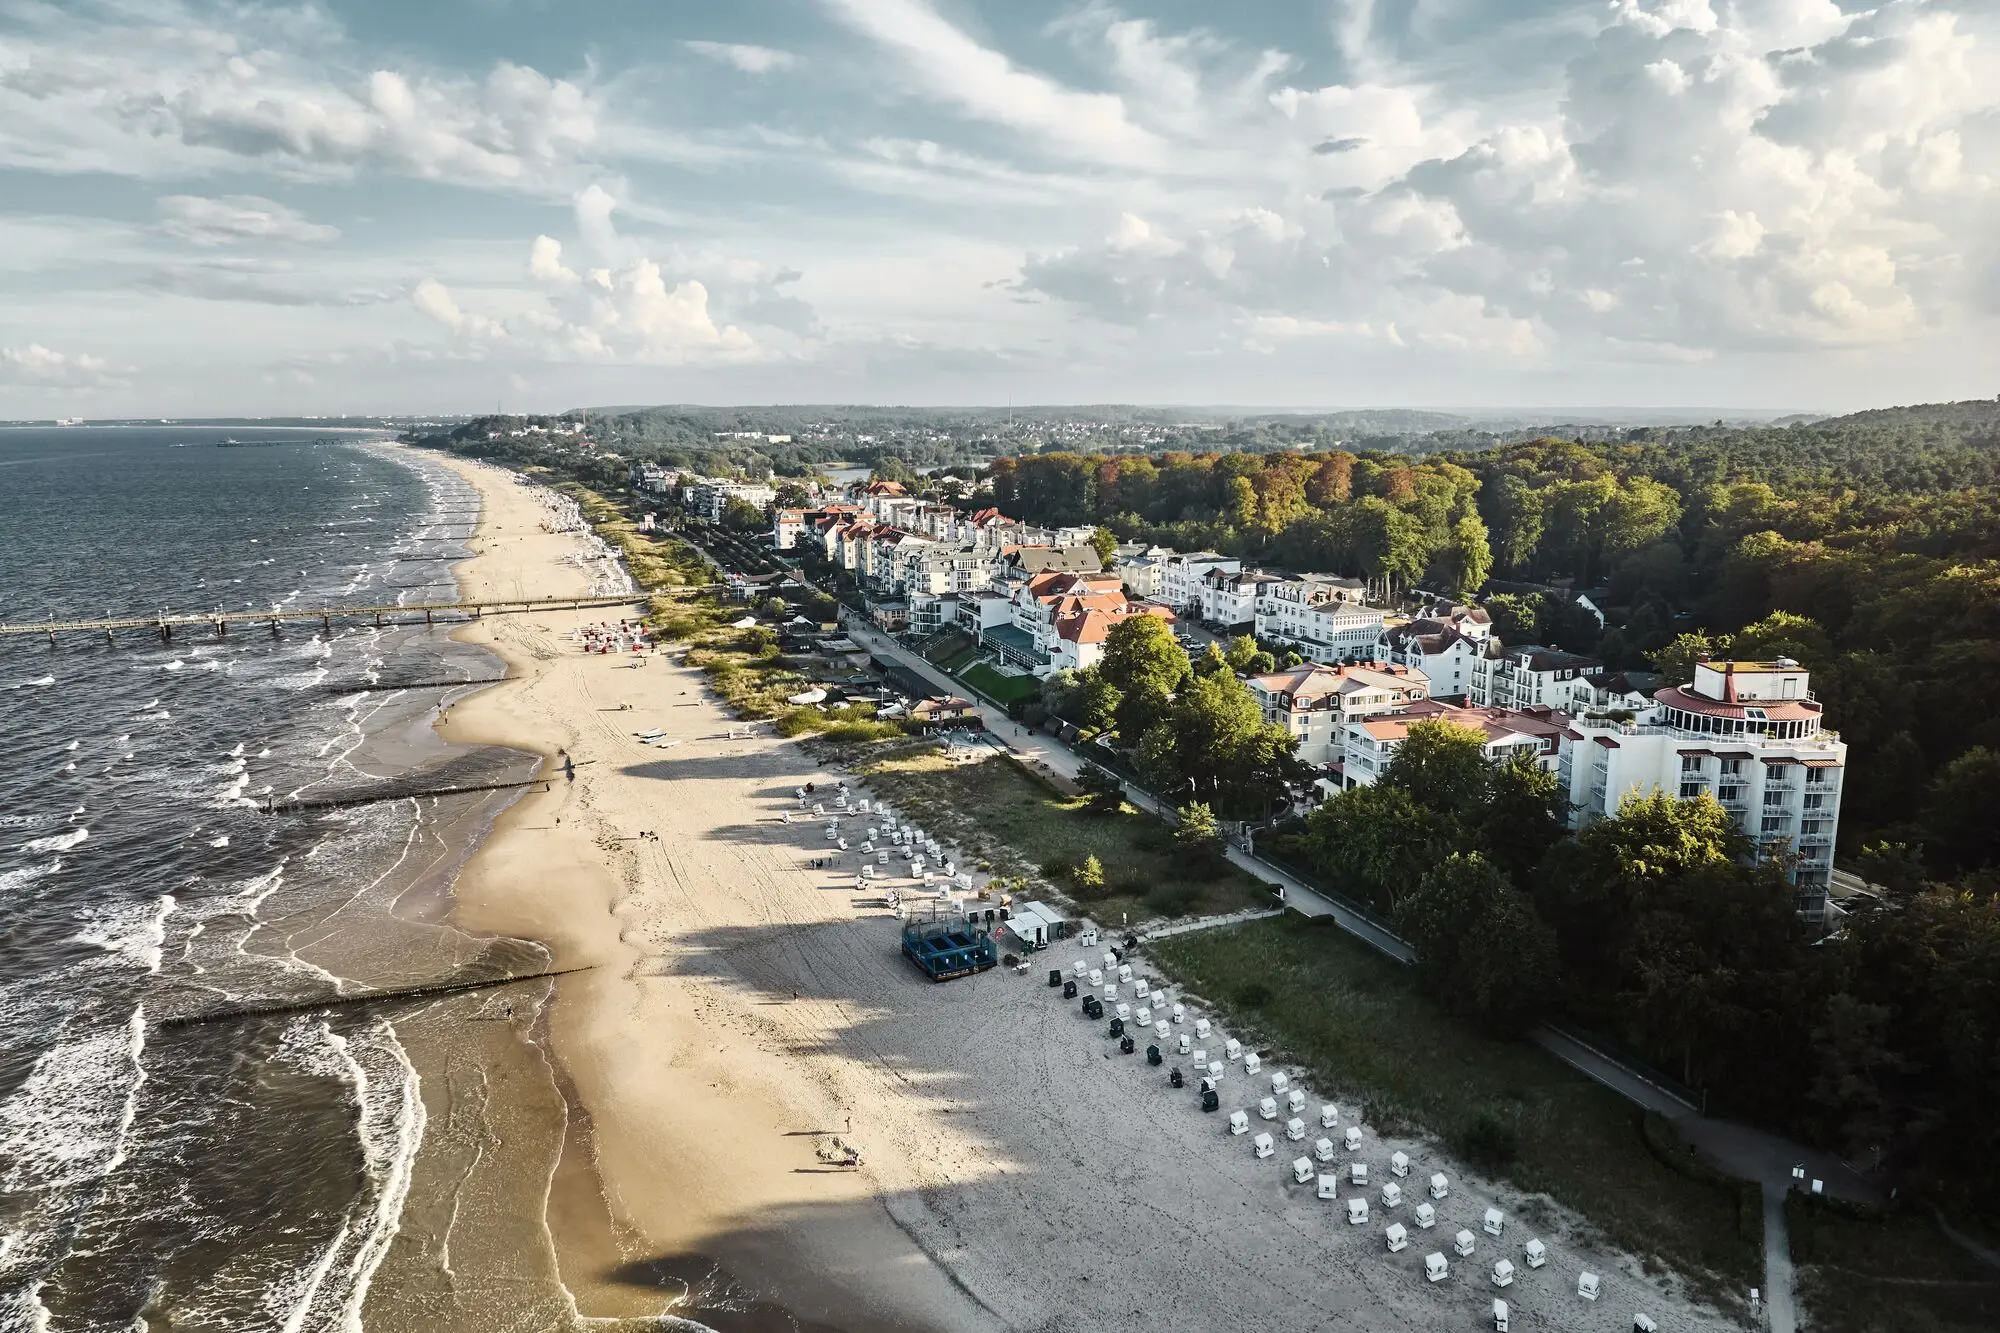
[{"x": 218, "y": 622}]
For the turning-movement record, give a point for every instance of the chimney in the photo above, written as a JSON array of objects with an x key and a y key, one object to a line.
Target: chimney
[{"x": 1729, "y": 682}]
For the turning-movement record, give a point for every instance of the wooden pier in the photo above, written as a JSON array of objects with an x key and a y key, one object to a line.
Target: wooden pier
[{"x": 166, "y": 625}]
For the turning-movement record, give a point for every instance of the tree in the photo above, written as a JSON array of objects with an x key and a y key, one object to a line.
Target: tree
[
  {"x": 1676, "y": 660},
  {"x": 1242, "y": 651},
  {"x": 1443, "y": 766},
  {"x": 1095, "y": 702},
  {"x": 1103, "y": 792},
  {"x": 1145, "y": 664},
  {"x": 1962, "y": 831},
  {"x": 891, "y": 468},
  {"x": 1782, "y": 634},
  {"x": 1514, "y": 616},
  {"x": 1480, "y": 946},
  {"x": 742, "y": 516},
  {"x": 1105, "y": 542},
  {"x": 1212, "y": 662},
  {"x": 792, "y": 495},
  {"x": 1215, "y": 735},
  {"x": 1089, "y": 875},
  {"x": 1521, "y": 818},
  {"x": 1375, "y": 842},
  {"x": 1197, "y": 836}
]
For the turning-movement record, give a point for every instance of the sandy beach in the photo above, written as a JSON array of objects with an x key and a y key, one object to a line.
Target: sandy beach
[{"x": 739, "y": 1008}]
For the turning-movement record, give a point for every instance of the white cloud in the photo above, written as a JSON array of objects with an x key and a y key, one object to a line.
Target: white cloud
[
  {"x": 166, "y": 90},
  {"x": 434, "y": 299},
  {"x": 748, "y": 59},
  {"x": 40, "y": 366},
  {"x": 943, "y": 61},
  {"x": 237, "y": 217}
]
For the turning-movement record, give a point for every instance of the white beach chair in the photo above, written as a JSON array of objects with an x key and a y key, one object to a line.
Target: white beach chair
[
  {"x": 1435, "y": 1268},
  {"x": 1232, "y": 1049},
  {"x": 1145, "y": 1016},
  {"x": 1329, "y": 1186},
  {"x": 1425, "y": 1216},
  {"x": 1252, "y": 1062},
  {"x": 1353, "y": 1138},
  {"x": 1263, "y": 1145},
  {"x": 1500, "y": 1324},
  {"x": 1186, "y": 1043},
  {"x": 1239, "y": 1122},
  {"x": 1357, "y": 1212},
  {"x": 1462, "y": 1243},
  {"x": 1268, "y": 1108},
  {"x": 1399, "y": 1163},
  {"x": 1302, "y": 1170},
  {"x": 1588, "y": 1286},
  {"x": 1357, "y": 1173},
  {"x": 1440, "y": 1186},
  {"x": 1329, "y": 1116},
  {"x": 1503, "y": 1273},
  {"x": 1323, "y": 1149},
  {"x": 1392, "y": 1195},
  {"x": 1493, "y": 1221},
  {"x": 1537, "y": 1253},
  {"x": 1295, "y": 1130},
  {"x": 1201, "y": 1027},
  {"x": 1397, "y": 1237},
  {"x": 1295, "y": 1102}
]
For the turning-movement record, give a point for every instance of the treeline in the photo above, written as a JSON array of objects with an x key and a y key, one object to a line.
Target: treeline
[
  {"x": 1660, "y": 929},
  {"x": 1875, "y": 538}
]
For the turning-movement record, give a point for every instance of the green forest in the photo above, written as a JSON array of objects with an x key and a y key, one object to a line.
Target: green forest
[{"x": 1868, "y": 547}]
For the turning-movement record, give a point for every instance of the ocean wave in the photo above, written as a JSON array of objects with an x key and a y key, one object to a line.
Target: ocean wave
[
  {"x": 68, "y": 1123},
  {"x": 57, "y": 842},
  {"x": 384, "y": 1086},
  {"x": 40, "y": 684},
  {"x": 26, "y": 875},
  {"x": 136, "y": 933}
]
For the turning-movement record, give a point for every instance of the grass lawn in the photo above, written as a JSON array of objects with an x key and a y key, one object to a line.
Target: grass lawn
[
  {"x": 1001, "y": 689},
  {"x": 1894, "y": 1276},
  {"x": 1363, "y": 1026},
  {"x": 1024, "y": 831}
]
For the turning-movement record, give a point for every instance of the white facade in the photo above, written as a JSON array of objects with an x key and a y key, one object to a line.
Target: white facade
[
  {"x": 1320, "y": 618},
  {"x": 1526, "y": 677},
  {"x": 1746, "y": 733},
  {"x": 1315, "y": 704},
  {"x": 1180, "y": 578}
]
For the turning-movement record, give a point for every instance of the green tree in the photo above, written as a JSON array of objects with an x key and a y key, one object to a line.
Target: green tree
[
  {"x": 1212, "y": 662},
  {"x": 1242, "y": 651},
  {"x": 1145, "y": 664},
  {"x": 1782, "y": 634},
  {"x": 1095, "y": 702},
  {"x": 1197, "y": 836},
  {"x": 742, "y": 516},
  {"x": 1480, "y": 946},
  {"x": 1961, "y": 831},
  {"x": 1443, "y": 766},
  {"x": 1514, "y": 616},
  {"x": 792, "y": 495},
  {"x": 1375, "y": 842},
  {"x": 1521, "y": 818},
  {"x": 1089, "y": 876},
  {"x": 891, "y": 468},
  {"x": 1105, "y": 542},
  {"x": 1676, "y": 660},
  {"x": 1103, "y": 793}
]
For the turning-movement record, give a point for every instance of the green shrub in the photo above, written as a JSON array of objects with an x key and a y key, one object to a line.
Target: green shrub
[
  {"x": 1253, "y": 995},
  {"x": 1488, "y": 1141}
]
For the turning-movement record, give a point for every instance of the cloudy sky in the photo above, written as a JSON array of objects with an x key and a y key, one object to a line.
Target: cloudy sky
[{"x": 381, "y": 205}]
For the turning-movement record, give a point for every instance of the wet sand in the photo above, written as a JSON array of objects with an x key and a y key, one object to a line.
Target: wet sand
[{"x": 741, "y": 1007}]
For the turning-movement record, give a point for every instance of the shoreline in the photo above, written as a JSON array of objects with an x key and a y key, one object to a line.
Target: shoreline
[{"x": 547, "y": 871}]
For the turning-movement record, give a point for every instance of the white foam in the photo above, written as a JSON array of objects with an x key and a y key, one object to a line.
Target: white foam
[
  {"x": 174, "y": 665},
  {"x": 57, "y": 842},
  {"x": 41, "y": 684},
  {"x": 136, "y": 933},
  {"x": 26, "y": 875},
  {"x": 222, "y": 841},
  {"x": 67, "y": 1124},
  {"x": 385, "y": 1086}
]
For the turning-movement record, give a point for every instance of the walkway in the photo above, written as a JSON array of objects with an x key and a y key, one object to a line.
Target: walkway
[{"x": 1781, "y": 1306}]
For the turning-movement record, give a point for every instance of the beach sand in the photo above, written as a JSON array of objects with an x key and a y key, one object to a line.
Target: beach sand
[{"x": 739, "y": 1008}]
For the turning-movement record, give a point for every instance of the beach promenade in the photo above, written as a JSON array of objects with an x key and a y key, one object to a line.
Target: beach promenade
[{"x": 741, "y": 1008}]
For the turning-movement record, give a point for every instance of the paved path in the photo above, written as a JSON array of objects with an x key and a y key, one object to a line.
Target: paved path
[{"x": 1781, "y": 1309}]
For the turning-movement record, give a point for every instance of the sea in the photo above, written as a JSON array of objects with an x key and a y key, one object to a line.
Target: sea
[{"x": 198, "y": 1128}]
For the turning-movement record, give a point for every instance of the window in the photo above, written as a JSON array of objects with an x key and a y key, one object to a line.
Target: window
[
  {"x": 1732, "y": 768},
  {"x": 1774, "y": 797},
  {"x": 1775, "y": 823},
  {"x": 1815, "y": 801},
  {"x": 1690, "y": 764},
  {"x": 1690, "y": 790},
  {"x": 1729, "y": 794},
  {"x": 1817, "y": 777}
]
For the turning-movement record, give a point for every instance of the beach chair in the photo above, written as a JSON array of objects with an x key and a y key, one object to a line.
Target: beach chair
[
  {"x": 1280, "y": 1081},
  {"x": 1357, "y": 1212},
  {"x": 1588, "y": 1286},
  {"x": 1329, "y": 1116},
  {"x": 1493, "y": 1221},
  {"x": 1263, "y": 1145},
  {"x": 1500, "y": 1324},
  {"x": 1537, "y": 1253},
  {"x": 1439, "y": 1186},
  {"x": 1357, "y": 1173},
  {"x": 1462, "y": 1243},
  {"x": 1353, "y": 1138},
  {"x": 1267, "y": 1109},
  {"x": 1252, "y": 1063},
  {"x": 1302, "y": 1170},
  {"x": 1397, "y": 1237},
  {"x": 1425, "y": 1216},
  {"x": 1392, "y": 1195},
  {"x": 1503, "y": 1273},
  {"x": 1435, "y": 1268},
  {"x": 1329, "y": 1186},
  {"x": 1399, "y": 1163},
  {"x": 1239, "y": 1121},
  {"x": 1295, "y": 1130},
  {"x": 1323, "y": 1149}
]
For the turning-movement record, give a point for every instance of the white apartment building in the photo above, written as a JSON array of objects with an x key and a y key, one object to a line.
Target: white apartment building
[
  {"x": 1438, "y": 649},
  {"x": 1229, "y": 597},
  {"x": 1180, "y": 578},
  {"x": 1324, "y": 618},
  {"x": 1317, "y": 703},
  {"x": 1747, "y": 733},
  {"x": 707, "y": 498},
  {"x": 1529, "y": 676}
]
